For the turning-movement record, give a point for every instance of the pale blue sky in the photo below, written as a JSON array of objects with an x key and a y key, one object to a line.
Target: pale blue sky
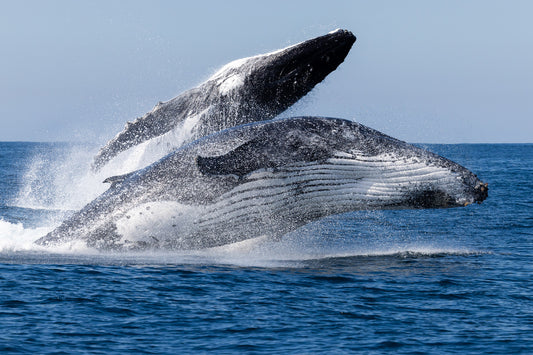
[{"x": 421, "y": 71}]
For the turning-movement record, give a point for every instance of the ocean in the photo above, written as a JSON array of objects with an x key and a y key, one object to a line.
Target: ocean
[{"x": 413, "y": 281}]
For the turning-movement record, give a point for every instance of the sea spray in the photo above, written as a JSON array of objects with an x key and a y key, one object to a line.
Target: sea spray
[
  {"x": 295, "y": 250},
  {"x": 14, "y": 237}
]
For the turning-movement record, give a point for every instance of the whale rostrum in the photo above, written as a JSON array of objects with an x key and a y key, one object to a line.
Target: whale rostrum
[
  {"x": 245, "y": 90},
  {"x": 265, "y": 178}
]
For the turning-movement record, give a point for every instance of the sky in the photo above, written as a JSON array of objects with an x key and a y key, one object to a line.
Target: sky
[{"x": 420, "y": 71}]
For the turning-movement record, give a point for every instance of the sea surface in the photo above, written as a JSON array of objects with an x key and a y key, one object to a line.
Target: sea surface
[{"x": 415, "y": 281}]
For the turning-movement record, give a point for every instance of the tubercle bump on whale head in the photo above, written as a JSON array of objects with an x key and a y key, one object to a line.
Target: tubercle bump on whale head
[{"x": 481, "y": 192}]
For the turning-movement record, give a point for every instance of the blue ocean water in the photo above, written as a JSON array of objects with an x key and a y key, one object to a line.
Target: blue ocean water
[{"x": 425, "y": 281}]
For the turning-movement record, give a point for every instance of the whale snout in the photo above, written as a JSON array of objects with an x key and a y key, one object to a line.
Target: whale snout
[
  {"x": 324, "y": 54},
  {"x": 440, "y": 198},
  {"x": 481, "y": 192},
  {"x": 289, "y": 74}
]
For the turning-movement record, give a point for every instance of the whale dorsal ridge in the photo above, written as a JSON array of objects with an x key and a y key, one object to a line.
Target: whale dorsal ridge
[{"x": 115, "y": 180}]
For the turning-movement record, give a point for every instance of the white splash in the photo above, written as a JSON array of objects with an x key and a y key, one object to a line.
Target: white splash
[
  {"x": 62, "y": 182},
  {"x": 152, "y": 150},
  {"x": 14, "y": 237},
  {"x": 16, "y": 246}
]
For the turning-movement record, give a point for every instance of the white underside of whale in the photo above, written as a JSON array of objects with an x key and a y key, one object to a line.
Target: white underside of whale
[{"x": 273, "y": 202}]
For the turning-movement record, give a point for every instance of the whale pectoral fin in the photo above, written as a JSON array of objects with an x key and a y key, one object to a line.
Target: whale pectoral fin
[
  {"x": 224, "y": 165},
  {"x": 115, "y": 180},
  {"x": 262, "y": 154},
  {"x": 240, "y": 161}
]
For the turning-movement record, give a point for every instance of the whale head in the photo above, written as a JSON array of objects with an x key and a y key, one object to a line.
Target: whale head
[
  {"x": 272, "y": 82},
  {"x": 338, "y": 165}
]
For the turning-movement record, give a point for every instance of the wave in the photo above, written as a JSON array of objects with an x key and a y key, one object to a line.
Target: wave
[
  {"x": 296, "y": 250},
  {"x": 15, "y": 237}
]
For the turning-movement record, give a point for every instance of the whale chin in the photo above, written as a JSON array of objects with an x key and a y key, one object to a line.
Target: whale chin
[
  {"x": 440, "y": 198},
  {"x": 424, "y": 199}
]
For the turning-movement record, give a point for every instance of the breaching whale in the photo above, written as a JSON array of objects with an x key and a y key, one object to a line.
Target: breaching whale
[
  {"x": 245, "y": 90},
  {"x": 265, "y": 178}
]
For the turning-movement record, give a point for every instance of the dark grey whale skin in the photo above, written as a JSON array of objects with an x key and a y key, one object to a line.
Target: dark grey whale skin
[
  {"x": 199, "y": 173},
  {"x": 271, "y": 83}
]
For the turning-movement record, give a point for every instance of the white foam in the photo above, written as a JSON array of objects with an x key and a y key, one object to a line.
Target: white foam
[
  {"x": 290, "y": 251},
  {"x": 14, "y": 237}
]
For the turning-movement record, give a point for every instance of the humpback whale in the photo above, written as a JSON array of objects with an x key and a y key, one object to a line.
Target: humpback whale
[
  {"x": 265, "y": 178},
  {"x": 245, "y": 90}
]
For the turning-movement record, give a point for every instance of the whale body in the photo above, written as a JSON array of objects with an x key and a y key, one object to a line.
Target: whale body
[
  {"x": 245, "y": 90},
  {"x": 265, "y": 178}
]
